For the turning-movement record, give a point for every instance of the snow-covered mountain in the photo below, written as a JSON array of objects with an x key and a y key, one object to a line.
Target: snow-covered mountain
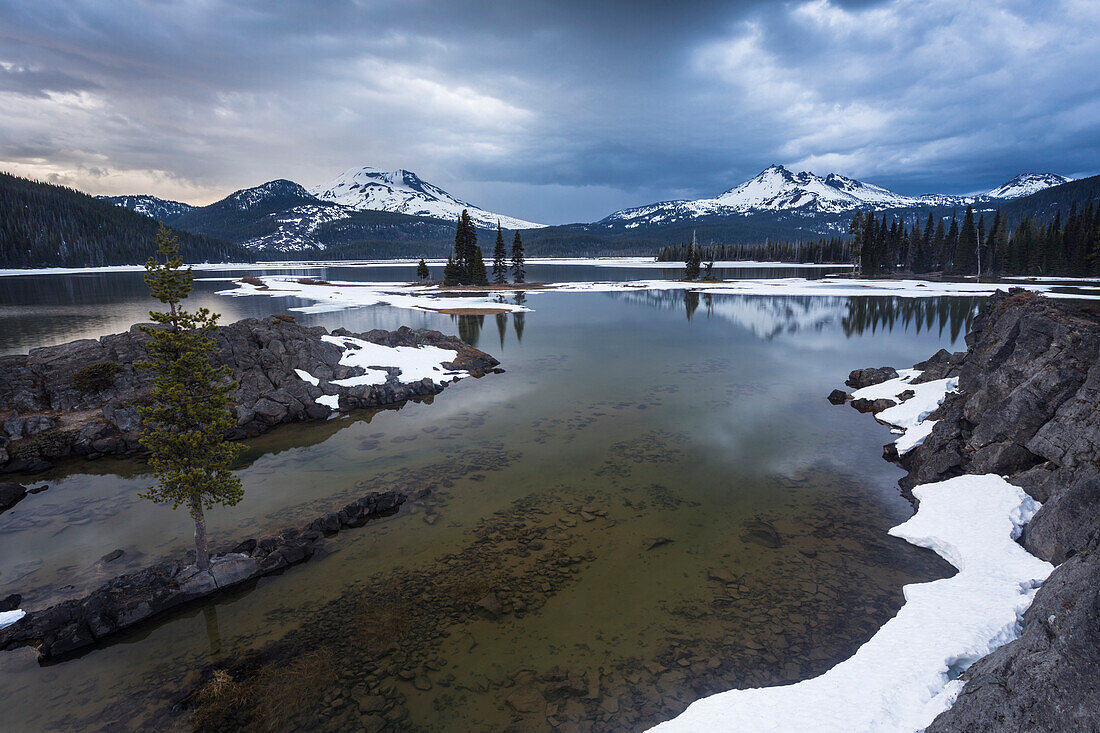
[
  {"x": 779, "y": 190},
  {"x": 1026, "y": 184},
  {"x": 403, "y": 192},
  {"x": 160, "y": 209}
]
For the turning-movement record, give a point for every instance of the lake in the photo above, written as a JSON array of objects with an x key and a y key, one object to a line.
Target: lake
[{"x": 654, "y": 502}]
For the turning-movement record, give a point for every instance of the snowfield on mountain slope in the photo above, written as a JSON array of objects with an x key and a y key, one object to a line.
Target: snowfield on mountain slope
[
  {"x": 777, "y": 189},
  {"x": 404, "y": 192}
]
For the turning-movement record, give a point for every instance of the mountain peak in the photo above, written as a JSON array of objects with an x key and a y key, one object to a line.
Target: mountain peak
[
  {"x": 1027, "y": 183},
  {"x": 280, "y": 190},
  {"x": 367, "y": 188}
]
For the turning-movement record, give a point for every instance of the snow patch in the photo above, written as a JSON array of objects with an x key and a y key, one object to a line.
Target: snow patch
[
  {"x": 909, "y": 415},
  {"x": 414, "y": 362},
  {"x": 341, "y": 295},
  {"x": 902, "y": 677},
  {"x": 307, "y": 377},
  {"x": 7, "y": 618}
]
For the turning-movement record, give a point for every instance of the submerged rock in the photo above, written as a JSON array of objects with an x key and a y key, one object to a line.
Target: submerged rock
[
  {"x": 129, "y": 599},
  {"x": 11, "y": 494}
]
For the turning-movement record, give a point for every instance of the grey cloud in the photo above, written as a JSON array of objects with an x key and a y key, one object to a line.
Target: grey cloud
[{"x": 577, "y": 105}]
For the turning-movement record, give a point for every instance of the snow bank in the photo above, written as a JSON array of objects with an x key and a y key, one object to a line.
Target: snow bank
[
  {"x": 341, "y": 295},
  {"x": 7, "y": 618},
  {"x": 904, "y": 675}
]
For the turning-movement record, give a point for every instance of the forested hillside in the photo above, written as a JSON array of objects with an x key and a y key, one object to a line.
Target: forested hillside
[{"x": 42, "y": 225}]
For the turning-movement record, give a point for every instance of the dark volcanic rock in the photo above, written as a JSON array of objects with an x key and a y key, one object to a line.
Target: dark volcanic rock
[
  {"x": 861, "y": 378},
  {"x": 11, "y": 494},
  {"x": 1047, "y": 679},
  {"x": 46, "y": 415},
  {"x": 839, "y": 397},
  {"x": 10, "y": 603},
  {"x": 1028, "y": 408},
  {"x": 865, "y": 405}
]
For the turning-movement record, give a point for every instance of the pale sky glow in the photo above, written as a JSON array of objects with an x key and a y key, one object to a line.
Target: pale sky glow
[{"x": 552, "y": 111}]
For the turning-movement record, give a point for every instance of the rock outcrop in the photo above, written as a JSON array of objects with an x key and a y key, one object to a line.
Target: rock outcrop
[
  {"x": 74, "y": 625},
  {"x": 82, "y": 398},
  {"x": 1028, "y": 408}
]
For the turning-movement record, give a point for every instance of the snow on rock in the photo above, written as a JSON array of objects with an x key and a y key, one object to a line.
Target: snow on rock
[
  {"x": 307, "y": 377},
  {"x": 414, "y": 362},
  {"x": 905, "y": 674},
  {"x": 7, "y": 618},
  {"x": 909, "y": 415}
]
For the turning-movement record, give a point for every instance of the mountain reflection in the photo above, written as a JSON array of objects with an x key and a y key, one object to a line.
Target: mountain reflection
[{"x": 769, "y": 316}]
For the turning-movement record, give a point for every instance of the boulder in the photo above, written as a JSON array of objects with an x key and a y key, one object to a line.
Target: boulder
[
  {"x": 11, "y": 494},
  {"x": 861, "y": 378}
]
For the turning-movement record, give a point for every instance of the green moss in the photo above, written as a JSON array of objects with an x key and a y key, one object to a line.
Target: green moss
[
  {"x": 96, "y": 377},
  {"x": 51, "y": 444}
]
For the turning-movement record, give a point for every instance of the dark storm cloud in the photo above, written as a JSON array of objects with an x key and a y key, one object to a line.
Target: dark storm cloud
[{"x": 553, "y": 111}]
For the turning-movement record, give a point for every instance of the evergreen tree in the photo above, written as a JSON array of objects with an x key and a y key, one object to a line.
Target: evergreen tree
[
  {"x": 965, "y": 261},
  {"x": 519, "y": 271},
  {"x": 693, "y": 260},
  {"x": 939, "y": 246},
  {"x": 478, "y": 275},
  {"x": 950, "y": 244},
  {"x": 184, "y": 426},
  {"x": 466, "y": 265},
  {"x": 422, "y": 271},
  {"x": 450, "y": 272},
  {"x": 500, "y": 259}
]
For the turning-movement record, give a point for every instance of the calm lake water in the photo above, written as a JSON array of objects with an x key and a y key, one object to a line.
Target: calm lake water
[{"x": 656, "y": 492}]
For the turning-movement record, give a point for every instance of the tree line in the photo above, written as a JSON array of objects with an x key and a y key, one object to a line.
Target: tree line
[
  {"x": 45, "y": 225},
  {"x": 836, "y": 249},
  {"x": 1067, "y": 247}
]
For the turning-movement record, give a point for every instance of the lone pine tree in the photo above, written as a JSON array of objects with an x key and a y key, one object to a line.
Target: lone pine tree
[
  {"x": 422, "y": 271},
  {"x": 184, "y": 426}
]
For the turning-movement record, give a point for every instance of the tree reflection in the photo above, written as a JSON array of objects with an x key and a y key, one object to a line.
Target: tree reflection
[
  {"x": 769, "y": 316},
  {"x": 874, "y": 313},
  {"x": 469, "y": 328}
]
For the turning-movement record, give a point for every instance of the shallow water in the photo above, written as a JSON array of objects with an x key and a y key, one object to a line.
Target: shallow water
[{"x": 656, "y": 492}]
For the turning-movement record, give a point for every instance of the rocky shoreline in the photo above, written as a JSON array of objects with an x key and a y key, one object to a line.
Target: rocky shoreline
[
  {"x": 82, "y": 398},
  {"x": 75, "y": 625},
  {"x": 1026, "y": 409}
]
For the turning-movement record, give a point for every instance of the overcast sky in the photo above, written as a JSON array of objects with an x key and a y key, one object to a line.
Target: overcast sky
[{"x": 554, "y": 111}]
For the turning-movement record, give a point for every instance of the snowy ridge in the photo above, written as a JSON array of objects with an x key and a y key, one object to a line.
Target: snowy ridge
[
  {"x": 1026, "y": 184},
  {"x": 905, "y": 675},
  {"x": 777, "y": 189},
  {"x": 403, "y": 192},
  {"x": 158, "y": 208}
]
